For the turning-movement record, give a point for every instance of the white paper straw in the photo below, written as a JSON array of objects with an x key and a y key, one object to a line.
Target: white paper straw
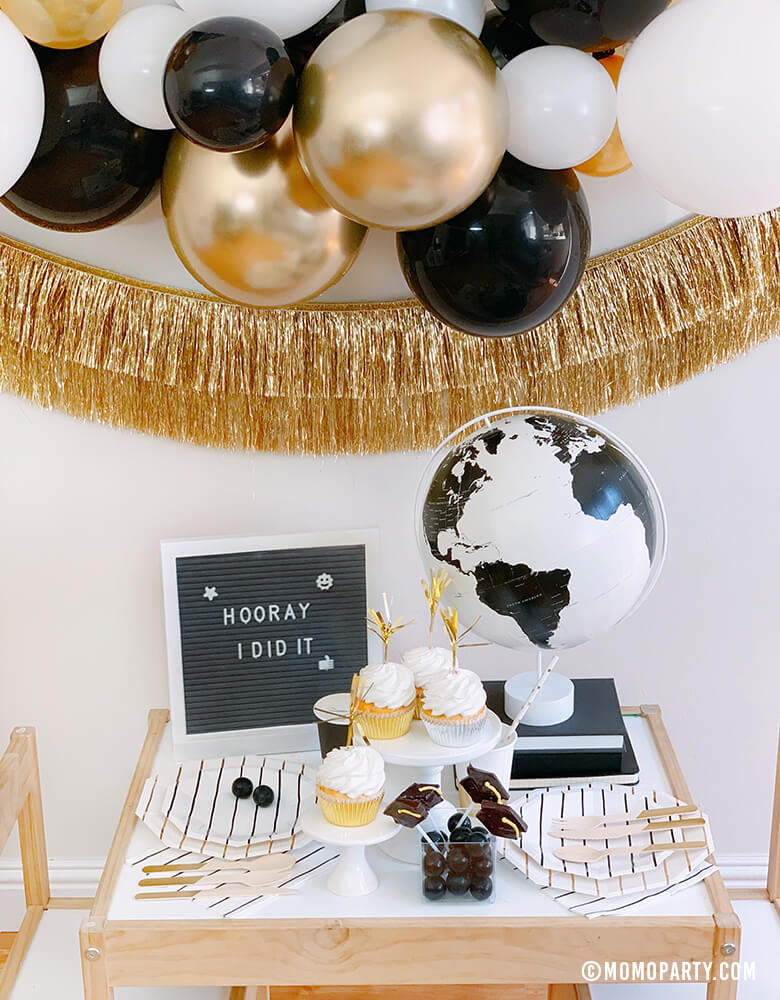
[{"x": 533, "y": 695}]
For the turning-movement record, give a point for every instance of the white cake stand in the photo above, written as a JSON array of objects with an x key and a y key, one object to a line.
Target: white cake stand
[
  {"x": 352, "y": 876},
  {"x": 421, "y": 760}
]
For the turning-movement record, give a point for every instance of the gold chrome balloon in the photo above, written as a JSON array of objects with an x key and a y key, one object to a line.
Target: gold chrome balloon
[
  {"x": 250, "y": 226},
  {"x": 63, "y": 24},
  {"x": 402, "y": 119}
]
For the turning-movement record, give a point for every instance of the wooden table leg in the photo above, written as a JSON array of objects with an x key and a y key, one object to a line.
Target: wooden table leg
[
  {"x": 568, "y": 991},
  {"x": 93, "y": 961},
  {"x": 725, "y": 989}
]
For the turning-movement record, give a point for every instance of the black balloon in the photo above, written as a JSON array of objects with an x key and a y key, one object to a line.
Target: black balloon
[
  {"x": 92, "y": 167},
  {"x": 592, "y": 25},
  {"x": 505, "y": 39},
  {"x": 229, "y": 84},
  {"x": 301, "y": 47},
  {"x": 511, "y": 260}
]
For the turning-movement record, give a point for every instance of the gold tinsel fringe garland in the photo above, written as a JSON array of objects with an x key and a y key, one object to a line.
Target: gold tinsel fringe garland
[{"x": 380, "y": 376}]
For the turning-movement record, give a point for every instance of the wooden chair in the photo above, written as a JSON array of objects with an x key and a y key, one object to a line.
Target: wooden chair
[
  {"x": 44, "y": 960},
  {"x": 759, "y": 913}
]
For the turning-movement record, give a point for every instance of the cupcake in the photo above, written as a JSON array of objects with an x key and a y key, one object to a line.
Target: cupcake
[
  {"x": 350, "y": 785},
  {"x": 386, "y": 700},
  {"x": 453, "y": 708},
  {"x": 426, "y": 662}
]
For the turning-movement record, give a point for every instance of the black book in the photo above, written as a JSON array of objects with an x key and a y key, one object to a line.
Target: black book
[{"x": 575, "y": 750}]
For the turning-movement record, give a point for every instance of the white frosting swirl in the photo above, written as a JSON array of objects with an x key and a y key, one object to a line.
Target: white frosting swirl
[
  {"x": 354, "y": 771},
  {"x": 426, "y": 661},
  {"x": 387, "y": 685},
  {"x": 454, "y": 693}
]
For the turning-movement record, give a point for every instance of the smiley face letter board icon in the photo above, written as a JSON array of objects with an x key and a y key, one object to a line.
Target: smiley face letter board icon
[{"x": 260, "y": 628}]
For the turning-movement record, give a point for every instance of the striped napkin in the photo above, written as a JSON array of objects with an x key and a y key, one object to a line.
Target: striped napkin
[{"x": 308, "y": 861}]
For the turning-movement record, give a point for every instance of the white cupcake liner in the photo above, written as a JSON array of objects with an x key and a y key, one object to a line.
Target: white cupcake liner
[{"x": 455, "y": 734}]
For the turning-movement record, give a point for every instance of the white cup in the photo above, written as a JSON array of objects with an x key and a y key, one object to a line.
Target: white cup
[{"x": 498, "y": 760}]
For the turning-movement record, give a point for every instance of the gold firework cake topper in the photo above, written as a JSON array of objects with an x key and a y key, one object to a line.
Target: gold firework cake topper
[
  {"x": 450, "y": 618},
  {"x": 382, "y": 625},
  {"x": 434, "y": 588}
]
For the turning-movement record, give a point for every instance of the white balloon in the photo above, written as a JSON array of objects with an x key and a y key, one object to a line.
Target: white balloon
[
  {"x": 562, "y": 106},
  {"x": 285, "y": 17},
  {"x": 470, "y": 14},
  {"x": 698, "y": 108},
  {"x": 133, "y": 58},
  {"x": 21, "y": 104}
]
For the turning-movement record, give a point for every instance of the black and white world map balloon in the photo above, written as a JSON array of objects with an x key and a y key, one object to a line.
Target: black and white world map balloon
[{"x": 552, "y": 530}]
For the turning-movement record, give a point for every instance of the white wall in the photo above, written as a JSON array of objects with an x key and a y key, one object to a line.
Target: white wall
[{"x": 82, "y": 509}]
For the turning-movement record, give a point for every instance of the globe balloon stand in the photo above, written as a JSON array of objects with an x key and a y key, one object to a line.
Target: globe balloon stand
[
  {"x": 416, "y": 758},
  {"x": 539, "y": 699},
  {"x": 353, "y": 875}
]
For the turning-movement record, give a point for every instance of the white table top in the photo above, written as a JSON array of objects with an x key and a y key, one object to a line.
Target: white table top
[{"x": 398, "y": 895}]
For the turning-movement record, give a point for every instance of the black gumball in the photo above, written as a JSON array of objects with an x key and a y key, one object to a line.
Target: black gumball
[
  {"x": 438, "y": 836},
  {"x": 505, "y": 39},
  {"x": 458, "y": 821},
  {"x": 92, "y": 167},
  {"x": 229, "y": 84},
  {"x": 434, "y": 887},
  {"x": 458, "y": 861},
  {"x": 482, "y": 889},
  {"x": 242, "y": 788},
  {"x": 592, "y": 25},
  {"x": 482, "y": 867},
  {"x": 458, "y": 885},
  {"x": 460, "y": 836},
  {"x": 433, "y": 863},
  {"x": 263, "y": 796},
  {"x": 301, "y": 47},
  {"x": 508, "y": 262},
  {"x": 479, "y": 836}
]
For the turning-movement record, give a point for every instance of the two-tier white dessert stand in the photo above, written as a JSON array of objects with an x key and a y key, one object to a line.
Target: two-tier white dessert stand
[
  {"x": 353, "y": 875},
  {"x": 414, "y": 757}
]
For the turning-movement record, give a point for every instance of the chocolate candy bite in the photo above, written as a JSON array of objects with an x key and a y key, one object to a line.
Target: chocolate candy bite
[
  {"x": 458, "y": 861},
  {"x": 482, "y": 867},
  {"x": 406, "y": 812},
  {"x": 433, "y": 863},
  {"x": 438, "y": 836},
  {"x": 242, "y": 788},
  {"x": 263, "y": 796},
  {"x": 434, "y": 887},
  {"x": 501, "y": 820},
  {"x": 482, "y": 889},
  {"x": 458, "y": 885},
  {"x": 485, "y": 784}
]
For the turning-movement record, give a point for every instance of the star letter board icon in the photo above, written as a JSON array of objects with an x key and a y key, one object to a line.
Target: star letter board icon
[{"x": 251, "y": 657}]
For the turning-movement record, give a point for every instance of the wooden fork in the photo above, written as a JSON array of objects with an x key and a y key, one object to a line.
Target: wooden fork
[
  {"x": 267, "y": 862},
  {"x": 581, "y": 853}
]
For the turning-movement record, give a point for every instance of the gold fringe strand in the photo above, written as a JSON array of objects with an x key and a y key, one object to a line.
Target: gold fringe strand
[{"x": 375, "y": 377}]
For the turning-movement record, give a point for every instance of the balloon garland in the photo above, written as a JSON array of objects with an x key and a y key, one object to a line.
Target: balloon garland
[{"x": 301, "y": 124}]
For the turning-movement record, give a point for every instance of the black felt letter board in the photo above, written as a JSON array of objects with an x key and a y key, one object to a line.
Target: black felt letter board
[{"x": 265, "y": 634}]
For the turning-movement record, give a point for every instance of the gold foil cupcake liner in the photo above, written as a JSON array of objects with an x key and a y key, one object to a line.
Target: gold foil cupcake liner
[
  {"x": 349, "y": 812},
  {"x": 388, "y": 725}
]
